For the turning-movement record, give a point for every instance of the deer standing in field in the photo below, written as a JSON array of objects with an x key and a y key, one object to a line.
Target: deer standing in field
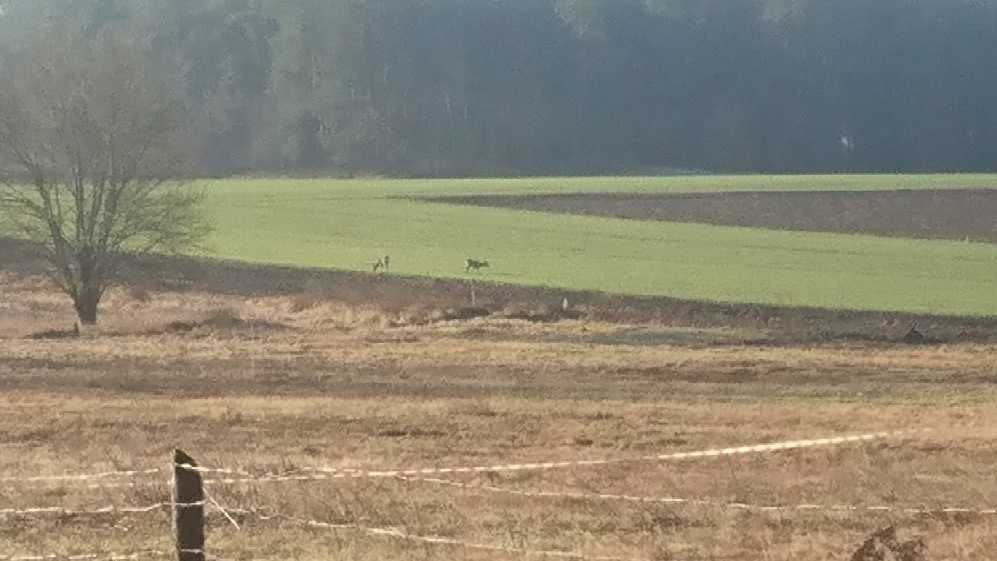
[
  {"x": 473, "y": 264},
  {"x": 383, "y": 263}
]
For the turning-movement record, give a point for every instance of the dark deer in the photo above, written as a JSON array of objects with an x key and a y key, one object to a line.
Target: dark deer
[{"x": 472, "y": 264}]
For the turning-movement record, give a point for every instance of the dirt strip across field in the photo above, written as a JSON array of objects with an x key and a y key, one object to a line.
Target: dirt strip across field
[{"x": 941, "y": 214}]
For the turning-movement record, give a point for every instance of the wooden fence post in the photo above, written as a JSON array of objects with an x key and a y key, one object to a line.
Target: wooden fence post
[{"x": 188, "y": 508}]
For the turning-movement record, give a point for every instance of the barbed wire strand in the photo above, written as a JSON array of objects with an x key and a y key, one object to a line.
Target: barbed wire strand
[
  {"x": 338, "y": 473},
  {"x": 396, "y": 533},
  {"x": 110, "y": 509},
  {"x": 82, "y": 477},
  {"x": 358, "y": 473},
  {"x": 803, "y": 507},
  {"x": 150, "y": 553}
]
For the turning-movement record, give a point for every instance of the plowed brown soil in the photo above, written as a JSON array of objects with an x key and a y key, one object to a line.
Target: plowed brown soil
[{"x": 951, "y": 215}]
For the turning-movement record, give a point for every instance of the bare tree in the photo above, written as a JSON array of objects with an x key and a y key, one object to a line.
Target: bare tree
[{"x": 90, "y": 149}]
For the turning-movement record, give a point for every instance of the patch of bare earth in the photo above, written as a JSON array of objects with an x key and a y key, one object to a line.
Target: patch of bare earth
[
  {"x": 268, "y": 384},
  {"x": 941, "y": 214}
]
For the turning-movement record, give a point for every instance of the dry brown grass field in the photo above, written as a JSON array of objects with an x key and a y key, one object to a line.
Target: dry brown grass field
[{"x": 278, "y": 384}]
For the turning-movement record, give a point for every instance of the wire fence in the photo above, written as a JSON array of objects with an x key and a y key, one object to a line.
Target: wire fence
[{"x": 179, "y": 508}]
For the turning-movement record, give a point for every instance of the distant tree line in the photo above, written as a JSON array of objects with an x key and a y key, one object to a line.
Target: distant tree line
[{"x": 466, "y": 87}]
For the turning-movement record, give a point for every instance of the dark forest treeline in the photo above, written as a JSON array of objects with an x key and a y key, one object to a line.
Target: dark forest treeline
[{"x": 454, "y": 87}]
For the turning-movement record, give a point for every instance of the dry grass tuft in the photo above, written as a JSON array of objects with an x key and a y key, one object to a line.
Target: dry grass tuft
[
  {"x": 885, "y": 546},
  {"x": 139, "y": 293}
]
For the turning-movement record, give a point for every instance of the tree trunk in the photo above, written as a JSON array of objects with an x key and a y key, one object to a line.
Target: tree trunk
[{"x": 86, "y": 306}]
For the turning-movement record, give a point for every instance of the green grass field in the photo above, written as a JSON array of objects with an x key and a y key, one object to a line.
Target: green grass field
[{"x": 347, "y": 224}]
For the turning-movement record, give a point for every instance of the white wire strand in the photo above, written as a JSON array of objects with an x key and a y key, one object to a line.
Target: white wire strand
[
  {"x": 111, "y": 509},
  {"x": 701, "y": 502},
  {"x": 435, "y": 540},
  {"x": 151, "y": 553},
  {"x": 338, "y": 473},
  {"x": 81, "y": 477}
]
